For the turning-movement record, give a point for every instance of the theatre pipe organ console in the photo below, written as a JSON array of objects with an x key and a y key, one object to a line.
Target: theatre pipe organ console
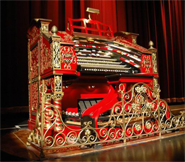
[{"x": 88, "y": 86}]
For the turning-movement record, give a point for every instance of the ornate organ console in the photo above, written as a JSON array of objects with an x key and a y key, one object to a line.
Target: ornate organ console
[{"x": 88, "y": 85}]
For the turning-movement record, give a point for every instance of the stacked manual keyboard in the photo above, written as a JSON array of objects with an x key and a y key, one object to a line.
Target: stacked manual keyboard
[
  {"x": 100, "y": 64},
  {"x": 95, "y": 56}
]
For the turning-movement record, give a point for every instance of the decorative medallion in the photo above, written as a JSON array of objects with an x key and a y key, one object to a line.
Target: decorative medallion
[
  {"x": 138, "y": 127},
  {"x": 68, "y": 57}
]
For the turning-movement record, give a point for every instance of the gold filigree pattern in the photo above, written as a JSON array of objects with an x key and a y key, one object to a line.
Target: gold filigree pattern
[
  {"x": 136, "y": 114},
  {"x": 30, "y": 99},
  {"x": 48, "y": 111},
  {"x": 155, "y": 84},
  {"x": 46, "y": 58},
  {"x": 141, "y": 89},
  {"x": 44, "y": 27},
  {"x": 35, "y": 93},
  {"x": 29, "y": 61},
  {"x": 66, "y": 37},
  {"x": 58, "y": 83},
  {"x": 34, "y": 34},
  {"x": 56, "y": 54},
  {"x": 34, "y": 62},
  {"x": 154, "y": 61}
]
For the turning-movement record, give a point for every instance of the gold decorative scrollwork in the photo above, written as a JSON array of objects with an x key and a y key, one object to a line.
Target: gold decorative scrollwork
[
  {"x": 34, "y": 35},
  {"x": 35, "y": 93},
  {"x": 34, "y": 62},
  {"x": 68, "y": 56},
  {"x": 135, "y": 116},
  {"x": 154, "y": 61},
  {"x": 44, "y": 27},
  {"x": 46, "y": 58},
  {"x": 141, "y": 89},
  {"x": 58, "y": 83},
  {"x": 56, "y": 54}
]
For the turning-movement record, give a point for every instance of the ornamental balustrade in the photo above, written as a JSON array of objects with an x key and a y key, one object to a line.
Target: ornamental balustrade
[{"x": 139, "y": 113}]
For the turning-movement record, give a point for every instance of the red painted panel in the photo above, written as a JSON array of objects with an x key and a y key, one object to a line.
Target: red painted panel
[
  {"x": 93, "y": 95},
  {"x": 68, "y": 58},
  {"x": 79, "y": 90}
]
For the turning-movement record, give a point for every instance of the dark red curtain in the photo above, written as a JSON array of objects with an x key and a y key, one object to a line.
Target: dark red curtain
[
  {"x": 163, "y": 23},
  {"x": 172, "y": 25},
  {"x": 159, "y": 21}
]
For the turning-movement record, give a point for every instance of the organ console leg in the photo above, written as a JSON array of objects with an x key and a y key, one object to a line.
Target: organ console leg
[
  {"x": 58, "y": 114},
  {"x": 48, "y": 111},
  {"x": 57, "y": 102}
]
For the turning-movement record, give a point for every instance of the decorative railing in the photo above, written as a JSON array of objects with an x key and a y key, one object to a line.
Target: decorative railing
[
  {"x": 139, "y": 113},
  {"x": 89, "y": 26}
]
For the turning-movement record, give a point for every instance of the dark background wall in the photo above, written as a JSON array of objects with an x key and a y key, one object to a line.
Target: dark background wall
[{"x": 160, "y": 21}]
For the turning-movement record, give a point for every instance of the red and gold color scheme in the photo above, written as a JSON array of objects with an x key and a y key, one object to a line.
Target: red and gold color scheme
[{"x": 89, "y": 86}]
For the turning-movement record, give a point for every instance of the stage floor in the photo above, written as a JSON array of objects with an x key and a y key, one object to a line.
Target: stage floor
[{"x": 171, "y": 147}]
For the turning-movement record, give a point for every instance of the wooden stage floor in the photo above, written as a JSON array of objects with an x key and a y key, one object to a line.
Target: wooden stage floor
[
  {"x": 171, "y": 147},
  {"x": 151, "y": 149}
]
